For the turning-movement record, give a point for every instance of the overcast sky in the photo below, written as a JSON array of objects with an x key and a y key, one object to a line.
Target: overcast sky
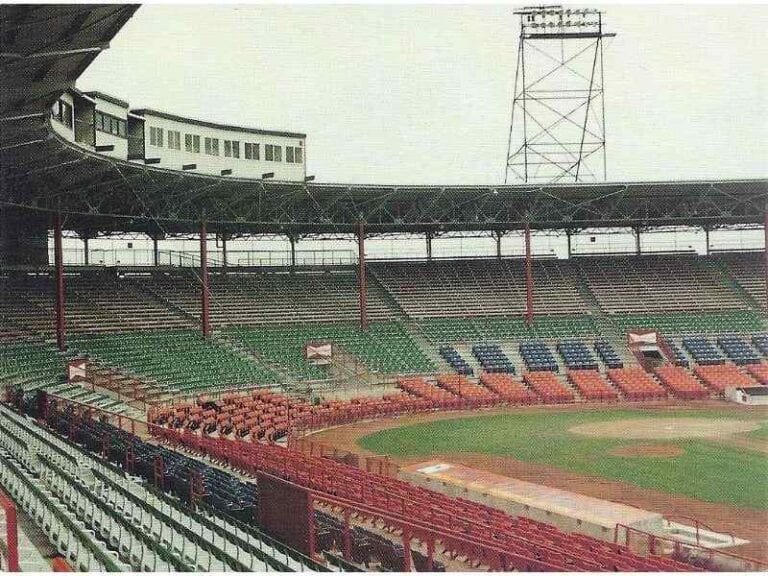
[{"x": 422, "y": 94}]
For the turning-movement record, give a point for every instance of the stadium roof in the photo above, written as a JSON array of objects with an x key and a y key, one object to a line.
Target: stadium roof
[{"x": 45, "y": 48}]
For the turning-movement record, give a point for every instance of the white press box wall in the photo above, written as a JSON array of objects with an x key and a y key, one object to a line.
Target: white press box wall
[
  {"x": 174, "y": 154},
  {"x": 288, "y": 149}
]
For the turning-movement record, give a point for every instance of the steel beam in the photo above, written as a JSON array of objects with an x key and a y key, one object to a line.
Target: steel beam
[
  {"x": 528, "y": 277},
  {"x": 61, "y": 337},
  {"x": 205, "y": 293},
  {"x": 765, "y": 254},
  {"x": 362, "y": 287}
]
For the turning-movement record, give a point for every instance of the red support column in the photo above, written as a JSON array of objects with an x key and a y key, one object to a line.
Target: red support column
[
  {"x": 361, "y": 277},
  {"x": 61, "y": 337},
  {"x": 11, "y": 533},
  {"x": 430, "y": 553},
  {"x": 205, "y": 296},
  {"x": 528, "y": 277},
  {"x": 407, "y": 560},
  {"x": 765, "y": 254}
]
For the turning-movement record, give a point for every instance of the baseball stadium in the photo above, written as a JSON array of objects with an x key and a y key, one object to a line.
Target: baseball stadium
[{"x": 212, "y": 361}]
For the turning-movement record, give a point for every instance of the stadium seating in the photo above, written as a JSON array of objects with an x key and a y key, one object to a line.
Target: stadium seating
[
  {"x": 386, "y": 347},
  {"x": 95, "y": 302},
  {"x": 680, "y": 382},
  {"x": 678, "y": 323},
  {"x": 255, "y": 299},
  {"x": 463, "y": 388},
  {"x": 678, "y": 357},
  {"x": 759, "y": 372},
  {"x": 476, "y": 288},
  {"x": 737, "y": 350},
  {"x": 761, "y": 343},
  {"x": 636, "y": 384},
  {"x": 537, "y": 356},
  {"x": 702, "y": 350},
  {"x": 548, "y": 387},
  {"x": 178, "y": 361},
  {"x": 483, "y": 328},
  {"x": 608, "y": 354},
  {"x": 31, "y": 365},
  {"x": 654, "y": 283},
  {"x": 508, "y": 389},
  {"x": 576, "y": 355},
  {"x": 718, "y": 377},
  {"x": 592, "y": 386},
  {"x": 492, "y": 359},
  {"x": 422, "y": 389},
  {"x": 455, "y": 359},
  {"x": 748, "y": 269}
]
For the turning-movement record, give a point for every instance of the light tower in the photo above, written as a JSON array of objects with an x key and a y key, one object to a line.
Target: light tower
[{"x": 557, "y": 130}]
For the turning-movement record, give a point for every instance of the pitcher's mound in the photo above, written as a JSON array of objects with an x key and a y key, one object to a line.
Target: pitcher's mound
[
  {"x": 647, "y": 451},
  {"x": 665, "y": 428}
]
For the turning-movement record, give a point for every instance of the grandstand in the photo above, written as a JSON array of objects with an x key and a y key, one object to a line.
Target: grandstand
[{"x": 154, "y": 416}]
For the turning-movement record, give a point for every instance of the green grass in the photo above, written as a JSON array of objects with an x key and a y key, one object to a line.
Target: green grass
[{"x": 705, "y": 470}]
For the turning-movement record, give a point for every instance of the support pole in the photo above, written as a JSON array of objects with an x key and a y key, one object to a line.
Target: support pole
[
  {"x": 528, "y": 277},
  {"x": 407, "y": 560},
  {"x": 765, "y": 254},
  {"x": 86, "y": 257},
  {"x": 61, "y": 337},
  {"x": 205, "y": 295},
  {"x": 568, "y": 237},
  {"x": 155, "y": 251},
  {"x": 638, "y": 251},
  {"x": 706, "y": 237},
  {"x": 362, "y": 288},
  {"x": 224, "y": 251},
  {"x": 292, "y": 239},
  {"x": 429, "y": 246},
  {"x": 499, "y": 234}
]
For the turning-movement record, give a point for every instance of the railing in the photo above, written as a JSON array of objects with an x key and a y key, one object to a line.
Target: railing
[{"x": 710, "y": 559}]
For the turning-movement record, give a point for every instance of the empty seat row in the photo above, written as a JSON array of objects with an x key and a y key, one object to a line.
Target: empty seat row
[
  {"x": 456, "y": 361},
  {"x": 537, "y": 357},
  {"x": 738, "y": 350},
  {"x": 702, "y": 350},
  {"x": 608, "y": 354},
  {"x": 492, "y": 359},
  {"x": 576, "y": 355}
]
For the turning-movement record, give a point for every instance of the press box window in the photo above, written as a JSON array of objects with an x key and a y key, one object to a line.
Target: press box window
[
  {"x": 174, "y": 140},
  {"x": 273, "y": 153},
  {"x": 251, "y": 151},
  {"x": 293, "y": 155},
  {"x": 231, "y": 148},
  {"x": 212, "y": 146},
  {"x": 155, "y": 136},
  {"x": 192, "y": 143}
]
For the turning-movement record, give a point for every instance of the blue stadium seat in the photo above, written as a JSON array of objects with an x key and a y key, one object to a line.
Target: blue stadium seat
[
  {"x": 761, "y": 343},
  {"x": 738, "y": 350},
  {"x": 702, "y": 350},
  {"x": 492, "y": 359},
  {"x": 608, "y": 354},
  {"x": 679, "y": 359},
  {"x": 457, "y": 362},
  {"x": 576, "y": 355},
  {"x": 537, "y": 356}
]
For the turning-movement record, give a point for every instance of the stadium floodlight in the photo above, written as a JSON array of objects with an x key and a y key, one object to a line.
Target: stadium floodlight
[
  {"x": 309, "y": 178},
  {"x": 557, "y": 128},
  {"x": 267, "y": 175}
]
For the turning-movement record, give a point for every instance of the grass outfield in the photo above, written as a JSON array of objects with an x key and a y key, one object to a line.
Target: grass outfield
[{"x": 706, "y": 470}]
